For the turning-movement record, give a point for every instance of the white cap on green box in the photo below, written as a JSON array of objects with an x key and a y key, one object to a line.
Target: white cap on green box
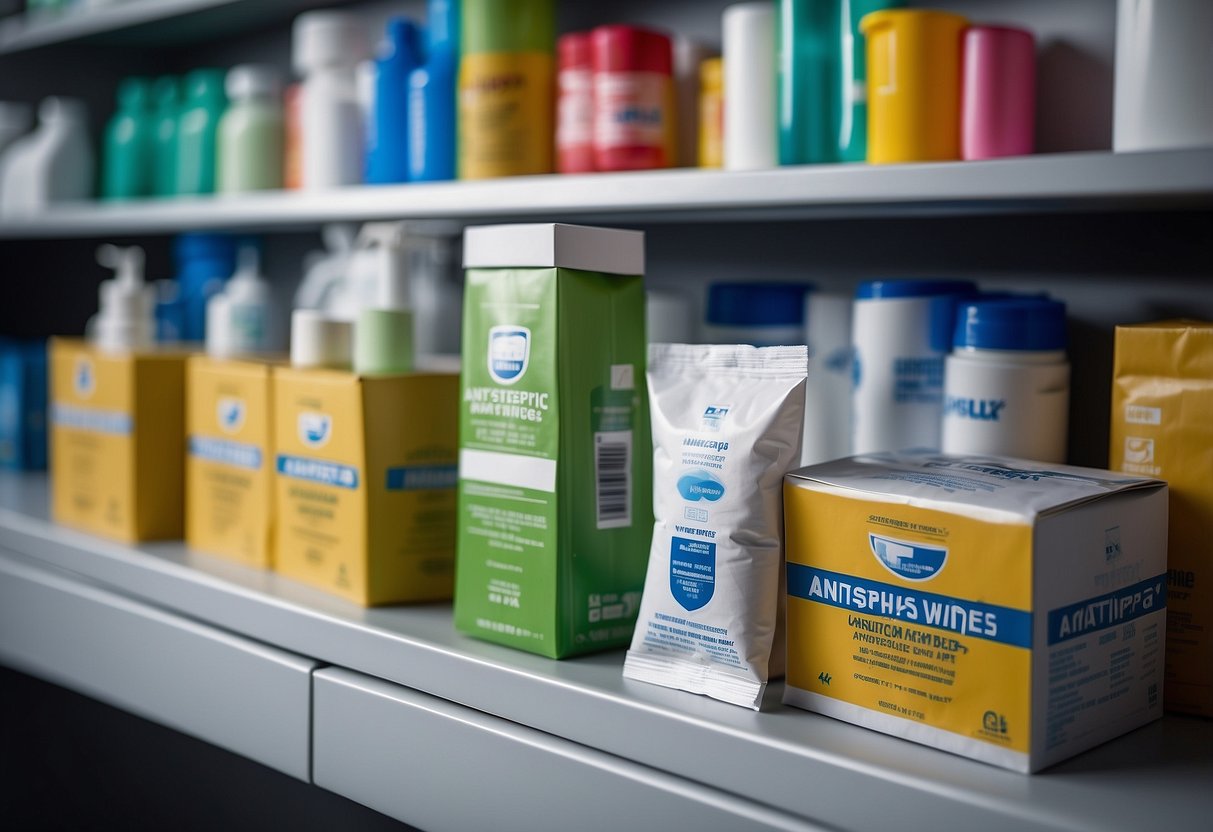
[{"x": 554, "y": 245}]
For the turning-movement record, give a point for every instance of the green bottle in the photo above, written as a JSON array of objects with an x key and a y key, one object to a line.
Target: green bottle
[
  {"x": 126, "y": 170},
  {"x": 197, "y": 130},
  {"x": 851, "y": 98},
  {"x": 808, "y": 46},
  {"x": 166, "y": 103}
]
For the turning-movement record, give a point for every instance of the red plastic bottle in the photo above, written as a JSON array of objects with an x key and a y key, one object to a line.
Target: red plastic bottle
[
  {"x": 574, "y": 104},
  {"x": 633, "y": 98}
]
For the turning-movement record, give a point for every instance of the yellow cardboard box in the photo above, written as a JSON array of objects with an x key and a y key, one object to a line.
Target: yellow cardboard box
[
  {"x": 117, "y": 441},
  {"x": 229, "y": 494},
  {"x": 1162, "y": 426},
  {"x": 365, "y": 483},
  {"x": 1010, "y": 611}
]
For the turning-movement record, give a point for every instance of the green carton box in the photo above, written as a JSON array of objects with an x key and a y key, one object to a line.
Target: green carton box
[{"x": 555, "y": 460}]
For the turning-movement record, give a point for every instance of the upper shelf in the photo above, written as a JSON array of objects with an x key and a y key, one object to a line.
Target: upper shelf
[
  {"x": 1057, "y": 182},
  {"x": 836, "y": 774},
  {"x": 137, "y": 21}
]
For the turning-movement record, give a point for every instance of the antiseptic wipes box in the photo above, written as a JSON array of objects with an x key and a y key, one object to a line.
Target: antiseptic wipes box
[
  {"x": 1009, "y": 611},
  {"x": 1162, "y": 426},
  {"x": 555, "y": 461},
  {"x": 117, "y": 441},
  {"x": 229, "y": 478},
  {"x": 365, "y": 483}
]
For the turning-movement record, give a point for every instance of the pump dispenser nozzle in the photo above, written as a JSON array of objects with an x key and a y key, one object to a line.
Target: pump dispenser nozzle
[{"x": 126, "y": 319}]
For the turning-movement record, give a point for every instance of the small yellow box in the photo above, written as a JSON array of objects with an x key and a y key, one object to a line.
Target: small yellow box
[
  {"x": 229, "y": 481},
  {"x": 117, "y": 441},
  {"x": 365, "y": 483}
]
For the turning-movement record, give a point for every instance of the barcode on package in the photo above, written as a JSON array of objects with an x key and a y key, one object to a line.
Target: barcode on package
[{"x": 613, "y": 478}]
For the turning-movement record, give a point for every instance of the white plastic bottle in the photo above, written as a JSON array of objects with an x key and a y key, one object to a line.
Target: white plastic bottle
[
  {"x": 1007, "y": 381},
  {"x": 328, "y": 47},
  {"x": 750, "y": 136},
  {"x": 126, "y": 319},
  {"x": 902, "y": 332},
  {"x": 53, "y": 164},
  {"x": 238, "y": 318}
]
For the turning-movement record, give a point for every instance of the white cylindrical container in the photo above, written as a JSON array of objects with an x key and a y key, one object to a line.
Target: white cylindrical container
[
  {"x": 827, "y": 406},
  {"x": 1164, "y": 67},
  {"x": 668, "y": 317},
  {"x": 328, "y": 46},
  {"x": 320, "y": 341},
  {"x": 901, "y": 332},
  {"x": 750, "y": 137},
  {"x": 1007, "y": 381},
  {"x": 758, "y": 314}
]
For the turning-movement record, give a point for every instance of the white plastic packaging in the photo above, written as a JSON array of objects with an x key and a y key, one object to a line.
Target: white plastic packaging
[
  {"x": 902, "y": 332},
  {"x": 328, "y": 47},
  {"x": 827, "y": 405},
  {"x": 1007, "y": 381},
  {"x": 238, "y": 318},
  {"x": 726, "y": 428},
  {"x": 750, "y": 138}
]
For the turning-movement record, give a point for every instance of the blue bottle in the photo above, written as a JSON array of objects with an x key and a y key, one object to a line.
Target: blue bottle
[
  {"x": 204, "y": 263},
  {"x": 432, "y": 97},
  {"x": 23, "y": 377},
  {"x": 387, "y": 135}
]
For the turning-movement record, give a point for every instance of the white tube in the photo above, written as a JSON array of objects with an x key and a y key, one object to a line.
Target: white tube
[
  {"x": 750, "y": 137},
  {"x": 320, "y": 341}
]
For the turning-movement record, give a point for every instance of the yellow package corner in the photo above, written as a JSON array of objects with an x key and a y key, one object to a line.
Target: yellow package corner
[
  {"x": 117, "y": 441},
  {"x": 1009, "y": 611},
  {"x": 1162, "y": 426},
  {"x": 229, "y": 480},
  {"x": 365, "y": 474}
]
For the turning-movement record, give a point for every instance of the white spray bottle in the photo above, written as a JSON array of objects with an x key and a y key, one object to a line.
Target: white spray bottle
[
  {"x": 238, "y": 318},
  {"x": 126, "y": 319}
]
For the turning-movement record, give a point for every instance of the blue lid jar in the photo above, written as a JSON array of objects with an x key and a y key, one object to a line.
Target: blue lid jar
[
  {"x": 913, "y": 288},
  {"x": 1025, "y": 324},
  {"x": 756, "y": 304}
]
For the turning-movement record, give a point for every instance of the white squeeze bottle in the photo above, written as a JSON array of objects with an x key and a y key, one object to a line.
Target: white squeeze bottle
[
  {"x": 238, "y": 318},
  {"x": 126, "y": 319},
  {"x": 1007, "y": 381},
  {"x": 328, "y": 46}
]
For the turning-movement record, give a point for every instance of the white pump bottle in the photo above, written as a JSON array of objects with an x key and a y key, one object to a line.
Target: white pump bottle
[
  {"x": 238, "y": 318},
  {"x": 126, "y": 319}
]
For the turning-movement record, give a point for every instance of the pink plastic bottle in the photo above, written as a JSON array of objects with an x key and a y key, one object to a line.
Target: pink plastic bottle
[
  {"x": 998, "y": 97},
  {"x": 574, "y": 104}
]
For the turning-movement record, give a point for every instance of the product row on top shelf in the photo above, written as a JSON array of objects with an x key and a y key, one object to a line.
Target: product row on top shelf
[{"x": 485, "y": 89}]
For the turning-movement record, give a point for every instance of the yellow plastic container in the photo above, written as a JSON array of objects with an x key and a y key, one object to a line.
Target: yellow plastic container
[
  {"x": 913, "y": 85},
  {"x": 711, "y": 113}
]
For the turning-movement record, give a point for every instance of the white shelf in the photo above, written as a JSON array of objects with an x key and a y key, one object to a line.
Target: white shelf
[
  {"x": 801, "y": 764},
  {"x": 158, "y": 22},
  {"x": 1059, "y": 182}
]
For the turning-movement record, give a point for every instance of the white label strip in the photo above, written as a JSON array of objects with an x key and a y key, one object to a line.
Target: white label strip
[{"x": 508, "y": 469}]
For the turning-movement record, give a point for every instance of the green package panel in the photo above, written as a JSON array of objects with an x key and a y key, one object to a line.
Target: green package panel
[{"x": 555, "y": 491}]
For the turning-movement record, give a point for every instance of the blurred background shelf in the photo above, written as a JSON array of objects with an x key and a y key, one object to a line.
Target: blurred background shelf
[
  {"x": 1093, "y": 181},
  {"x": 140, "y": 22}
]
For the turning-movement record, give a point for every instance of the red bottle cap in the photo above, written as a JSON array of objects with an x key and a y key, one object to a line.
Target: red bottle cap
[
  {"x": 631, "y": 49},
  {"x": 573, "y": 50}
]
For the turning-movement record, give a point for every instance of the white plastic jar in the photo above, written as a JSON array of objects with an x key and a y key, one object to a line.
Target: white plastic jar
[
  {"x": 1007, "y": 381},
  {"x": 901, "y": 332}
]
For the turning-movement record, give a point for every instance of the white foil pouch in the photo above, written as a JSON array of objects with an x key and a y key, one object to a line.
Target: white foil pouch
[{"x": 727, "y": 424}]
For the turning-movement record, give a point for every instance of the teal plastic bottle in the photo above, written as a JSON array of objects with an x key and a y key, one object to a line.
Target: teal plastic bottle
[
  {"x": 851, "y": 77},
  {"x": 197, "y": 130},
  {"x": 126, "y": 171},
  {"x": 166, "y": 100},
  {"x": 808, "y": 46}
]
